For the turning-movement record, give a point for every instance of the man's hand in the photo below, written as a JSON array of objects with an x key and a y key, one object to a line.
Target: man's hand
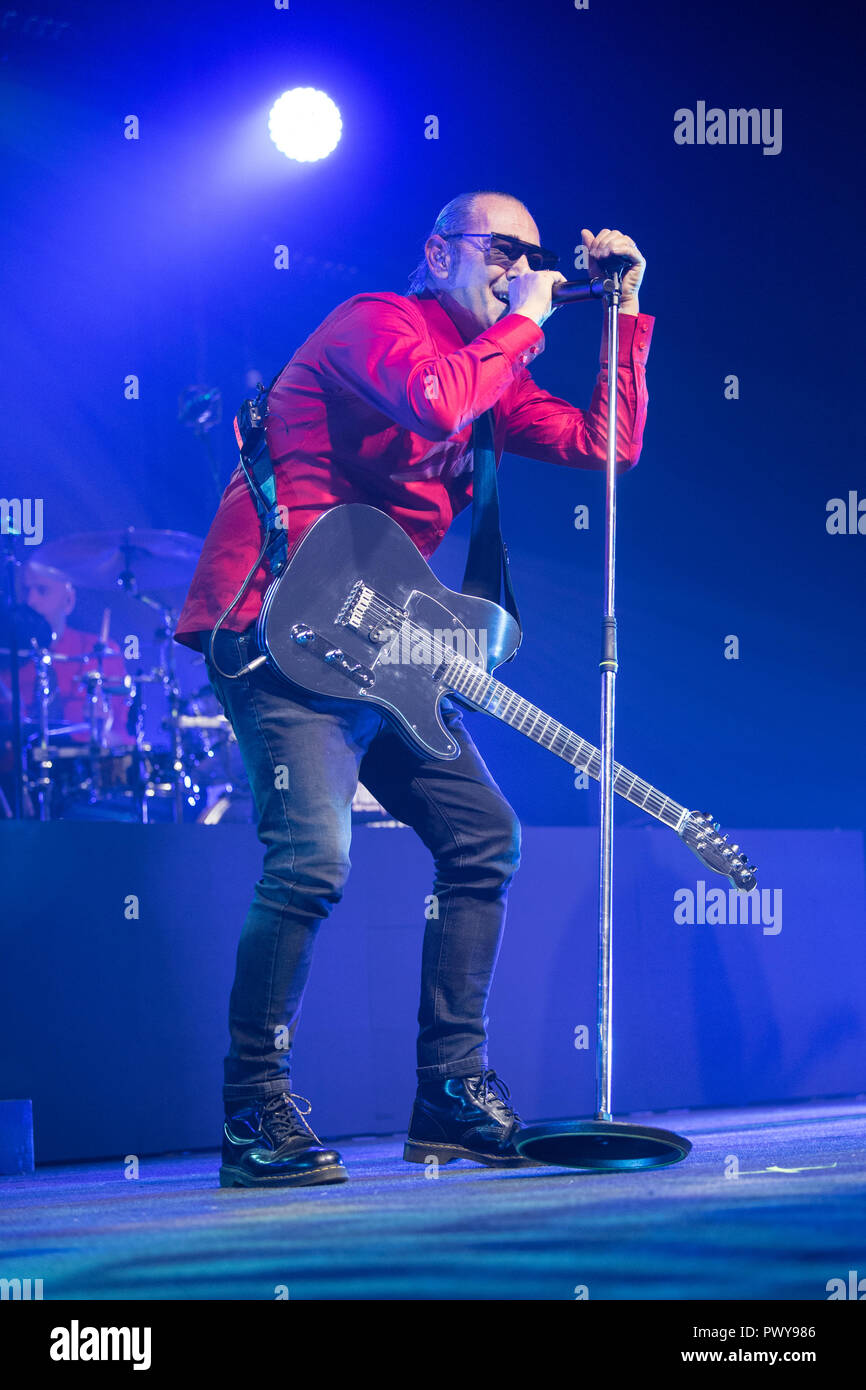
[
  {"x": 614, "y": 243},
  {"x": 530, "y": 294}
]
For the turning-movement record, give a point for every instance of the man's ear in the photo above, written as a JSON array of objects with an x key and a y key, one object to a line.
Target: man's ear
[
  {"x": 438, "y": 255},
  {"x": 70, "y": 598}
]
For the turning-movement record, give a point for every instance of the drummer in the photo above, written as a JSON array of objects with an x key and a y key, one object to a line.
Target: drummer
[{"x": 51, "y": 594}]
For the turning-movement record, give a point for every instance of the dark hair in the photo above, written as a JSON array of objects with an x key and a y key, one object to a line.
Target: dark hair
[{"x": 452, "y": 218}]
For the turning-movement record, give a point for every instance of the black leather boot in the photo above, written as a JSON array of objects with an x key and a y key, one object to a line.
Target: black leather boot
[
  {"x": 463, "y": 1117},
  {"x": 268, "y": 1143}
]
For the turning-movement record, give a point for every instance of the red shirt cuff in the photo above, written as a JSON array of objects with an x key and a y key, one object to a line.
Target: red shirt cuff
[{"x": 635, "y": 336}]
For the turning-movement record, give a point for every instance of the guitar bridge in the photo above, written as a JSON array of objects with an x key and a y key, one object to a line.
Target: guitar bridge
[{"x": 354, "y": 612}]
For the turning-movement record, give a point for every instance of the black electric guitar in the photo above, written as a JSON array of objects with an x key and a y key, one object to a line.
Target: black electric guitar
[{"x": 357, "y": 614}]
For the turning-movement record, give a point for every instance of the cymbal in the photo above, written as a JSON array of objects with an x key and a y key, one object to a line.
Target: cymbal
[{"x": 96, "y": 559}]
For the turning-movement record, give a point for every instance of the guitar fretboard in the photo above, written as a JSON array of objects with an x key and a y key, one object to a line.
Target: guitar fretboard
[{"x": 490, "y": 695}]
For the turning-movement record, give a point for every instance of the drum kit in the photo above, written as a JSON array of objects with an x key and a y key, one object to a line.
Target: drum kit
[
  {"x": 152, "y": 744},
  {"x": 106, "y": 766}
]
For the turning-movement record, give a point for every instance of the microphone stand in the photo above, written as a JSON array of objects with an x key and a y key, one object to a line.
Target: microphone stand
[
  {"x": 608, "y": 666},
  {"x": 601, "y": 1143}
]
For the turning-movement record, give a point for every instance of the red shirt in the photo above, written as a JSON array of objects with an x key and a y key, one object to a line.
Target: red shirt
[{"x": 377, "y": 406}]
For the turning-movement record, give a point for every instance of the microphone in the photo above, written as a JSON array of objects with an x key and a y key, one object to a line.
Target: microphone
[{"x": 576, "y": 291}]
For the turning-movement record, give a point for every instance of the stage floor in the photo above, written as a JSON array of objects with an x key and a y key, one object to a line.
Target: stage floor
[{"x": 793, "y": 1218}]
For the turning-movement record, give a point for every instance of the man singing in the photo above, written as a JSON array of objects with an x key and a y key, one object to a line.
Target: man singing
[{"x": 377, "y": 406}]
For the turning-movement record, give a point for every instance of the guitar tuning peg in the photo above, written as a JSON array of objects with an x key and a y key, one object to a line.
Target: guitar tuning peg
[{"x": 734, "y": 847}]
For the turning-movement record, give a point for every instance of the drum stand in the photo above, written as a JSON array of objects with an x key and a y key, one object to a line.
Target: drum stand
[
  {"x": 94, "y": 683},
  {"x": 11, "y": 604},
  {"x": 603, "y": 1143},
  {"x": 166, "y": 676},
  {"x": 43, "y": 782}
]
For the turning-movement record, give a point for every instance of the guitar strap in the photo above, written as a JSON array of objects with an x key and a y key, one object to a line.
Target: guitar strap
[
  {"x": 487, "y": 568},
  {"x": 258, "y": 468}
]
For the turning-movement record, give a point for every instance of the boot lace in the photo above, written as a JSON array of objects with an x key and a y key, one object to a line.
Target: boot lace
[
  {"x": 285, "y": 1118},
  {"x": 485, "y": 1087}
]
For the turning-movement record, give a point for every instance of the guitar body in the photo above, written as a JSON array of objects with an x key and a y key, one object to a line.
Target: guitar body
[{"x": 357, "y": 614}]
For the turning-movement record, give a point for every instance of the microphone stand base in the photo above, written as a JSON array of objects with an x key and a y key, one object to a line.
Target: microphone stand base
[{"x": 601, "y": 1144}]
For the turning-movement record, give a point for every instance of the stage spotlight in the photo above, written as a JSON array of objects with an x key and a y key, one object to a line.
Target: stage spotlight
[{"x": 305, "y": 124}]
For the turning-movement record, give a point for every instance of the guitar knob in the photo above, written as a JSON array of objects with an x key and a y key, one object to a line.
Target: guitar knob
[{"x": 302, "y": 634}]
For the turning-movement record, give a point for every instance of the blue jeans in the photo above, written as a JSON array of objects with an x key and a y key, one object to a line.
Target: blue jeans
[{"x": 304, "y": 756}]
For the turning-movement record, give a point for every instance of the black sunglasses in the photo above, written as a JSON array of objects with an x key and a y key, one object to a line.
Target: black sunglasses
[{"x": 505, "y": 250}]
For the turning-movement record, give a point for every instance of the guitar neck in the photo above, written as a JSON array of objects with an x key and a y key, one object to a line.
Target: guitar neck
[{"x": 491, "y": 696}]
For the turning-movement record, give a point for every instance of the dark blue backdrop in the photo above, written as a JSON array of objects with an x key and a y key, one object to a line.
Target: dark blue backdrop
[{"x": 155, "y": 257}]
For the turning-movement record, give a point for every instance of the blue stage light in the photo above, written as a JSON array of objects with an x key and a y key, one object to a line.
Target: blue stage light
[{"x": 305, "y": 124}]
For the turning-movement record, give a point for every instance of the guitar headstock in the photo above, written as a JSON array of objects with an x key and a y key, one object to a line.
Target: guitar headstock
[{"x": 701, "y": 834}]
